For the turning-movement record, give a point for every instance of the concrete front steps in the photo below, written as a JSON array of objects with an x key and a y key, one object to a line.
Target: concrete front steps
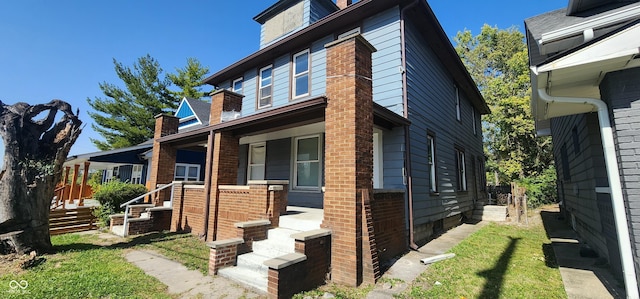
[
  {"x": 490, "y": 212},
  {"x": 250, "y": 269}
]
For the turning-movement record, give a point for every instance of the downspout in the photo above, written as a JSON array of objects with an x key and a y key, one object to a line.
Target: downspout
[
  {"x": 613, "y": 173},
  {"x": 407, "y": 139},
  {"x": 207, "y": 184}
]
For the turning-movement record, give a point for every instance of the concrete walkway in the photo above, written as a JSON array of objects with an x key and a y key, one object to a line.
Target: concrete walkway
[
  {"x": 184, "y": 282},
  {"x": 408, "y": 268},
  {"x": 582, "y": 276}
]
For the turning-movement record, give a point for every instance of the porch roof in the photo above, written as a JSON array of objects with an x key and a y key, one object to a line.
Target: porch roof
[{"x": 292, "y": 115}]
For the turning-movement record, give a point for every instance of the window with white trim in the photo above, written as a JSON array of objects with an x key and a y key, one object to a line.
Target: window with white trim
[
  {"x": 301, "y": 74},
  {"x": 306, "y": 174},
  {"x": 457, "y": 103},
  {"x": 187, "y": 172},
  {"x": 461, "y": 184},
  {"x": 257, "y": 158},
  {"x": 473, "y": 119},
  {"x": 236, "y": 86},
  {"x": 136, "y": 174},
  {"x": 265, "y": 87},
  {"x": 431, "y": 159}
]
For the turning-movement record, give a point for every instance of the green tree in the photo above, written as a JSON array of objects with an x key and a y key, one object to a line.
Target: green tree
[
  {"x": 125, "y": 117},
  {"x": 498, "y": 61},
  {"x": 189, "y": 79}
]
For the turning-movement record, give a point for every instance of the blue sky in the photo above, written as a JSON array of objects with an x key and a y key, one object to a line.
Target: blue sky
[{"x": 62, "y": 49}]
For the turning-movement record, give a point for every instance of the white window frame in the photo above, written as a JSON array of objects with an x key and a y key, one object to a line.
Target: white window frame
[
  {"x": 461, "y": 170},
  {"x": 294, "y": 157},
  {"x": 295, "y": 75},
  {"x": 431, "y": 157},
  {"x": 186, "y": 176},
  {"x": 473, "y": 118},
  {"x": 457, "y": 103},
  {"x": 260, "y": 87},
  {"x": 250, "y": 163},
  {"x": 378, "y": 159},
  {"x": 233, "y": 85},
  {"x": 136, "y": 174}
]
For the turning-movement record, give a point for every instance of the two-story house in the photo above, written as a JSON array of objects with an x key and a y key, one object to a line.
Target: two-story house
[
  {"x": 585, "y": 74},
  {"x": 343, "y": 102}
]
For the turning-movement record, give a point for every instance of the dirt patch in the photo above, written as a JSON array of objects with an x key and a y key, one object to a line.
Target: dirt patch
[{"x": 13, "y": 263}]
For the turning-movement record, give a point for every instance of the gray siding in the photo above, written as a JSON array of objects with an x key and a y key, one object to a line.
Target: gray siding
[
  {"x": 621, "y": 90},
  {"x": 318, "y": 11},
  {"x": 431, "y": 96},
  {"x": 579, "y": 175},
  {"x": 319, "y": 66},
  {"x": 383, "y": 32},
  {"x": 393, "y": 158},
  {"x": 281, "y": 81}
]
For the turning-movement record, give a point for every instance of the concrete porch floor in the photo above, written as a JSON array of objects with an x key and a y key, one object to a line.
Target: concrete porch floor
[{"x": 301, "y": 218}]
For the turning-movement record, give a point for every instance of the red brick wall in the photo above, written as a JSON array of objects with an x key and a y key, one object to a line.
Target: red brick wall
[
  {"x": 163, "y": 157},
  {"x": 389, "y": 224},
  {"x": 161, "y": 220},
  {"x": 250, "y": 234},
  {"x": 222, "y": 257},
  {"x": 223, "y": 100},
  {"x": 240, "y": 205},
  {"x": 224, "y": 171},
  {"x": 348, "y": 152},
  {"x": 188, "y": 210}
]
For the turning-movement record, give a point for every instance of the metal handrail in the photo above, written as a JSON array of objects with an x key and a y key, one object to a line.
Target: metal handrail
[{"x": 128, "y": 203}]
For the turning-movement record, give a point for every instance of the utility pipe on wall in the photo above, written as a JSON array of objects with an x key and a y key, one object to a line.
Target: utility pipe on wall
[{"x": 613, "y": 174}]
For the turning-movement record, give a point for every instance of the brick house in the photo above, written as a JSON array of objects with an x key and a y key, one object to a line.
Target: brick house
[
  {"x": 585, "y": 74},
  {"x": 362, "y": 110}
]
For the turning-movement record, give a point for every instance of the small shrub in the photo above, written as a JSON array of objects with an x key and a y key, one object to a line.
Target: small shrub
[
  {"x": 111, "y": 195},
  {"x": 541, "y": 189},
  {"x": 95, "y": 181}
]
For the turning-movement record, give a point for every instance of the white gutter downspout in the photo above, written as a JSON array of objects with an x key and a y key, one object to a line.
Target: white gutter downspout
[{"x": 613, "y": 173}]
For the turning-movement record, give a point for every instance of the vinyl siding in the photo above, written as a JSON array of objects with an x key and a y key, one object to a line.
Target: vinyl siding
[
  {"x": 431, "y": 98},
  {"x": 319, "y": 66},
  {"x": 281, "y": 71},
  {"x": 393, "y": 158},
  {"x": 586, "y": 172},
  {"x": 318, "y": 11},
  {"x": 383, "y": 32}
]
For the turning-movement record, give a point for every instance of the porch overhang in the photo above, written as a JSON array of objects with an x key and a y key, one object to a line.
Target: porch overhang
[
  {"x": 577, "y": 73},
  {"x": 289, "y": 116},
  {"x": 111, "y": 158}
]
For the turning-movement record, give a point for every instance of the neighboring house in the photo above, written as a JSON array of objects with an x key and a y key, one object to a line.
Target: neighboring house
[
  {"x": 338, "y": 102},
  {"x": 586, "y": 90},
  {"x": 131, "y": 164}
]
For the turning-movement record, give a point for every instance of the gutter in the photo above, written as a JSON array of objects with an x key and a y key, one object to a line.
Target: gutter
[
  {"x": 613, "y": 174},
  {"x": 407, "y": 139}
]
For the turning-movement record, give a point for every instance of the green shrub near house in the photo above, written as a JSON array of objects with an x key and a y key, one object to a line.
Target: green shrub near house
[
  {"x": 541, "y": 188},
  {"x": 111, "y": 195}
]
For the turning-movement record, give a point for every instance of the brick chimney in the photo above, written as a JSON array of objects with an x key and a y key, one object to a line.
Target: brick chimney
[{"x": 342, "y": 4}]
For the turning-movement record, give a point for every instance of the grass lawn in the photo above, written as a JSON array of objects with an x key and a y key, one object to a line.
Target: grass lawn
[
  {"x": 498, "y": 261},
  {"x": 82, "y": 269},
  {"x": 87, "y": 266}
]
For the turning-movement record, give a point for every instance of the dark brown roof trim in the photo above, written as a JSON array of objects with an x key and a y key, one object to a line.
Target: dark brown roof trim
[
  {"x": 280, "y": 112},
  {"x": 323, "y": 27},
  {"x": 387, "y": 118}
]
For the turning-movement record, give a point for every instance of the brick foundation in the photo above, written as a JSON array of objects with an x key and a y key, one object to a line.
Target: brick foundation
[
  {"x": 188, "y": 208},
  {"x": 388, "y": 209},
  {"x": 348, "y": 153}
]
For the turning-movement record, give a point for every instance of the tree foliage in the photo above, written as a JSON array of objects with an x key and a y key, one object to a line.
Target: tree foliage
[
  {"x": 125, "y": 117},
  {"x": 497, "y": 61},
  {"x": 189, "y": 80}
]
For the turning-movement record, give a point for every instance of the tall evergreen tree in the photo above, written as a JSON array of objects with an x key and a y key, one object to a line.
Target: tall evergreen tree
[
  {"x": 497, "y": 61},
  {"x": 125, "y": 117},
  {"x": 189, "y": 79}
]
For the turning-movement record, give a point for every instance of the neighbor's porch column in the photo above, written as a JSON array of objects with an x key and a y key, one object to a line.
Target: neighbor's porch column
[
  {"x": 221, "y": 167},
  {"x": 348, "y": 153},
  {"x": 73, "y": 190},
  {"x": 163, "y": 160},
  {"x": 83, "y": 187}
]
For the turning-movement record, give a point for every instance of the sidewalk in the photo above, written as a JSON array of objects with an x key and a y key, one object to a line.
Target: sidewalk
[
  {"x": 184, "y": 282},
  {"x": 581, "y": 276},
  {"x": 408, "y": 267}
]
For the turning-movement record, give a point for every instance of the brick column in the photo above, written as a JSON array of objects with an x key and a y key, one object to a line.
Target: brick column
[
  {"x": 163, "y": 161},
  {"x": 223, "y": 101},
  {"x": 348, "y": 152},
  {"x": 224, "y": 171}
]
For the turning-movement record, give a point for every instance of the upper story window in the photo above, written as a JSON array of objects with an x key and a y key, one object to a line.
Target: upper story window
[
  {"x": 473, "y": 119},
  {"x": 237, "y": 86},
  {"x": 431, "y": 157},
  {"x": 265, "y": 90},
  {"x": 301, "y": 74},
  {"x": 457, "y": 103},
  {"x": 461, "y": 170}
]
